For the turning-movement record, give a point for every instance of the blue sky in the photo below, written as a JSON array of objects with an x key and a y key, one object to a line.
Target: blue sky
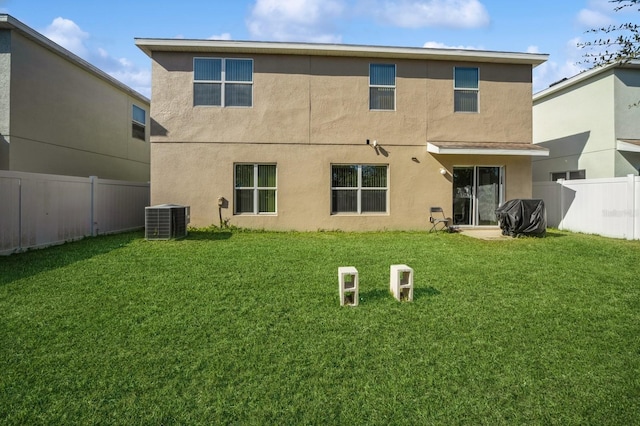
[{"x": 103, "y": 32}]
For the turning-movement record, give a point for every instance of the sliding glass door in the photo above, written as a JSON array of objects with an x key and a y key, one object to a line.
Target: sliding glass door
[{"x": 477, "y": 193}]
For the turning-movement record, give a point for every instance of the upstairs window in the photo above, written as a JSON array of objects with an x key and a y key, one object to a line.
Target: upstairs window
[
  {"x": 255, "y": 188},
  {"x": 382, "y": 87},
  {"x": 358, "y": 188},
  {"x": 222, "y": 82},
  {"x": 138, "y": 123},
  {"x": 465, "y": 89}
]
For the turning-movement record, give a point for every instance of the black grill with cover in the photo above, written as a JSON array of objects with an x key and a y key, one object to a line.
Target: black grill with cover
[{"x": 522, "y": 218}]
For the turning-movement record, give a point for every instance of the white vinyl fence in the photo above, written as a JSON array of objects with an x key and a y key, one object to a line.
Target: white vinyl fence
[
  {"x": 38, "y": 210},
  {"x": 607, "y": 207}
]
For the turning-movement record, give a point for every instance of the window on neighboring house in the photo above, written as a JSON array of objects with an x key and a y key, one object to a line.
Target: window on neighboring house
[
  {"x": 223, "y": 82},
  {"x": 382, "y": 87},
  {"x": 466, "y": 87},
  {"x": 358, "y": 188},
  {"x": 255, "y": 188},
  {"x": 138, "y": 123},
  {"x": 569, "y": 175}
]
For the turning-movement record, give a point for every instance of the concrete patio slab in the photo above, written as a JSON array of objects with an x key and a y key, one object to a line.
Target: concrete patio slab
[{"x": 485, "y": 233}]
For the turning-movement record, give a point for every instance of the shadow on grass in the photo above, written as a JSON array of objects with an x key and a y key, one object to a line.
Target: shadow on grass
[
  {"x": 547, "y": 234},
  {"x": 32, "y": 262},
  {"x": 377, "y": 295},
  {"x": 208, "y": 235},
  {"x": 554, "y": 234},
  {"x": 419, "y": 292}
]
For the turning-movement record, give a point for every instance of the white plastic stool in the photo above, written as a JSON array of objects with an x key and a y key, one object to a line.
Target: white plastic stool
[
  {"x": 348, "y": 285},
  {"x": 401, "y": 282}
]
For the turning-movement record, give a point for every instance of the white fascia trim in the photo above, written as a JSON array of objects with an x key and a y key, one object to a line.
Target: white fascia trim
[
  {"x": 149, "y": 45},
  {"x": 626, "y": 146},
  {"x": 484, "y": 151}
]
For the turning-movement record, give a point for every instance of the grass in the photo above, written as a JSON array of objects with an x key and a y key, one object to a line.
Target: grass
[{"x": 246, "y": 328}]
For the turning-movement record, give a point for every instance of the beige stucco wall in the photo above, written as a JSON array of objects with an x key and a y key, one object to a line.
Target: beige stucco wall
[
  {"x": 65, "y": 120},
  {"x": 196, "y": 174},
  {"x": 311, "y": 112},
  {"x": 320, "y": 100}
]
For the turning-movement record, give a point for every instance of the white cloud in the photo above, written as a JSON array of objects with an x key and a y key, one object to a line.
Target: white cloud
[
  {"x": 593, "y": 19},
  {"x": 68, "y": 35},
  {"x": 438, "y": 45},
  {"x": 533, "y": 49},
  {"x": 553, "y": 71},
  {"x": 223, "y": 36},
  {"x": 434, "y": 13},
  {"x": 136, "y": 78},
  {"x": 123, "y": 70},
  {"x": 296, "y": 20},
  {"x": 602, "y": 5}
]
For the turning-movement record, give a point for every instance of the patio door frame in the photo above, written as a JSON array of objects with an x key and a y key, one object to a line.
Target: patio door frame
[{"x": 470, "y": 193}]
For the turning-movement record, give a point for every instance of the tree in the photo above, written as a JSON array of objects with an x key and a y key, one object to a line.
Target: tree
[{"x": 618, "y": 43}]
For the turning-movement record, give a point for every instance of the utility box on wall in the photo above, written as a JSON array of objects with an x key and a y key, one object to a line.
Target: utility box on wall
[
  {"x": 401, "y": 282},
  {"x": 166, "y": 221}
]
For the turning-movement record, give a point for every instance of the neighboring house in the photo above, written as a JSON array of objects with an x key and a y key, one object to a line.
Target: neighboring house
[
  {"x": 61, "y": 115},
  {"x": 590, "y": 123},
  {"x": 317, "y": 136}
]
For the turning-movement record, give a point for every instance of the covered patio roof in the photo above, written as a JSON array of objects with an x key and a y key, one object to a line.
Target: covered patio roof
[{"x": 487, "y": 148}]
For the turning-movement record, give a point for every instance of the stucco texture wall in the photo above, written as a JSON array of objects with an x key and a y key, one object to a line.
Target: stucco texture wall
[
  {"x": 197, "y": 174},
  {"x": 577, "y": 125},
  {"x": 311, "y": 112},
  {"x": 65, "y": 120}
]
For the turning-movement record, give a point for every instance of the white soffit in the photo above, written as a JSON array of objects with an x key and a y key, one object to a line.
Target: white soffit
[
  {"x": 628, "y": 145},
  {"x": 487, "y": 148}
]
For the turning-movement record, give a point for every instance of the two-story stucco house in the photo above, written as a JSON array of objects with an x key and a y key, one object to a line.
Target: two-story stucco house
[
  {"x": 317, "y": 136},
  {"x": 590, "y": 123},
  {"x": 61, "y": 115}
]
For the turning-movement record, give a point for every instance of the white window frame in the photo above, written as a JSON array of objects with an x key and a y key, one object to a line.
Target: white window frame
[
  {"x": 384, "y": 86},
  {"x": 359, "y": 188},
  {"x": 455, "y": 89},
  {"x": 256, "y": 190},
  {"x": 142, "y": 124},
  {"x": 223, "y": 81}
]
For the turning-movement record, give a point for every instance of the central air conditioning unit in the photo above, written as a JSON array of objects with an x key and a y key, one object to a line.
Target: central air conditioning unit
[{"x": 166, "y": 221}]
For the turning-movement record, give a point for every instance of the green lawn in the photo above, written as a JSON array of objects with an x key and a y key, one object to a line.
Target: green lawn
[{"x": 246, "y": 328}]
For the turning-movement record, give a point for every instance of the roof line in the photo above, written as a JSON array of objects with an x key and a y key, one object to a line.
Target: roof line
[
  {"x": 571, "y": 81},
  {"x": 150, "y": 45},
  {"x": 11, "y": 23}
]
